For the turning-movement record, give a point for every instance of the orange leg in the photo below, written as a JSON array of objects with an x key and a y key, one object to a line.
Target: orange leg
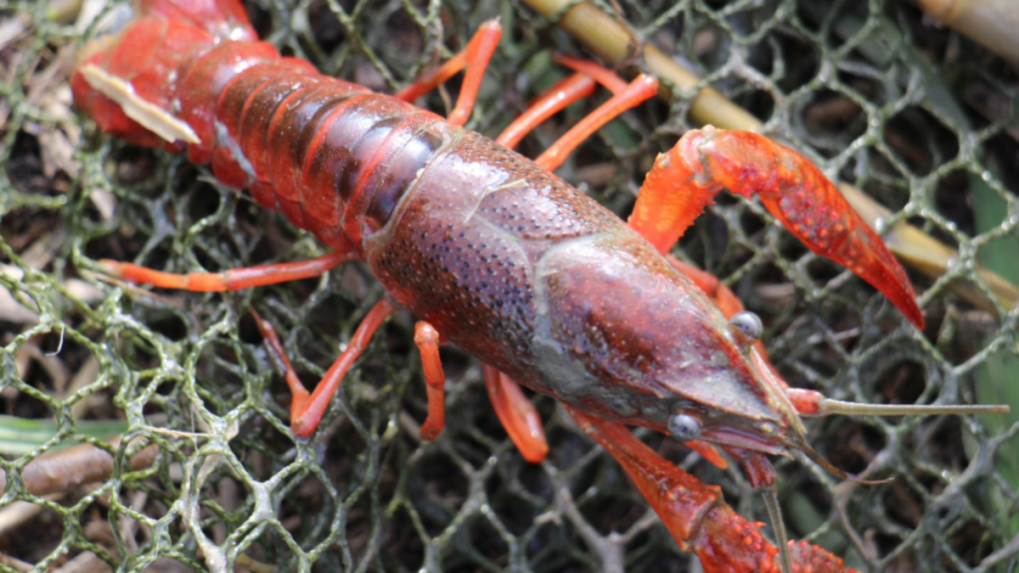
[
  {"x": 427, "y": 340},
  {"x": 600, "y": 74},
  {"x": 230, "y": 280},
  {"x": 695, "y": 514},
  {"x": 433, "y": 79},
  {"x": 561, "y": 95},
  {"x": 639, "y": 90},
  {"x": 475, "y": 58},
  {"x": 554, "y": 100},
  {"x": 708, "y": 451},
  {"x": 517, "y": 415},
  {"x": 514, "y": 409},
  {"x": 685, "y": 180},
  {"x": 479, "y": 53},
  {"x": 307, "y": 409}
]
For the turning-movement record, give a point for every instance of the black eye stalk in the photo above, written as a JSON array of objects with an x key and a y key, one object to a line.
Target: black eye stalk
[
  {"x": 684, "y": 427},
  {"x": 745, "y": 329}
]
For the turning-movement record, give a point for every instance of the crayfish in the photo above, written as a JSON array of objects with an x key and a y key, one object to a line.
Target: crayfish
[{"x": 493, "y": 252}]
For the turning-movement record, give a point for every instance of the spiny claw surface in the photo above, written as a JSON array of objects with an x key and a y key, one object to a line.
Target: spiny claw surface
[
  {"x": 686, "y": 179},
  {"x": 695, "y": 514},
  {"x": 809, "y": 558}
]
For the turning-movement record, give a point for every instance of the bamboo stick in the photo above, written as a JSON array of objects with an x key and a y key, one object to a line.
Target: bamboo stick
[{"x": 992, "y": 23}]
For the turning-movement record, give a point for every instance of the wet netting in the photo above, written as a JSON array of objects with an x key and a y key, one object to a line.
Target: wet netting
[{"x": 921, "y": 119}]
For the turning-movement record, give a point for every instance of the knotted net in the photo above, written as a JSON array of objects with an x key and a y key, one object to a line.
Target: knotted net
[{"x": 922, "y": 120}]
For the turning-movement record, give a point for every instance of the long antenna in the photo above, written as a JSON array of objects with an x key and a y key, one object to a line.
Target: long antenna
[
  {"x": 829, "y": 406},
  {"x": 770, "y": 495},
  {"x": 821, "y": 461}
]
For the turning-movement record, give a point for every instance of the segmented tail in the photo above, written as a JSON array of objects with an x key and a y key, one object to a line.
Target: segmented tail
[{"x": 131, "y": 83}]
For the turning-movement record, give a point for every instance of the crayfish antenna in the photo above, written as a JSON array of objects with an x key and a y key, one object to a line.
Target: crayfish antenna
[
  {"x": 770, "y": 496},
  {"x": 829, "y": 406},
  {"x": 842, "y": 474},
  {"x": 812, "y": 403}
]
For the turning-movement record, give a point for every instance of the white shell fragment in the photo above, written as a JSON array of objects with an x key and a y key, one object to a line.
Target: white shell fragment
[{"x": 152, "y": 117}]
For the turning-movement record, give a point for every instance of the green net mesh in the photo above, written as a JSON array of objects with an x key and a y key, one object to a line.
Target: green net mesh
[{"x": 918, "y": 117}]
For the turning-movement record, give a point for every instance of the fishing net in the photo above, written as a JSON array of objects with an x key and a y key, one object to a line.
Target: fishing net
[{"x": 919, "y": 118}]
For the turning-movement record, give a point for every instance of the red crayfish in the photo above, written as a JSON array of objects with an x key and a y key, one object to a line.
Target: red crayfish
[{"x": 496, "y": 254}]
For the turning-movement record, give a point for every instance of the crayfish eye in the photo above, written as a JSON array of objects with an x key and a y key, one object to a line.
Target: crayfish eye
[
  {"x": 745, "y": 328},
  {"x": 684, "y": 427}
]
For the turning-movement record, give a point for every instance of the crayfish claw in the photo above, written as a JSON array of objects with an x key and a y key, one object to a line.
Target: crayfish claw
[{"x": 685, "y": 180}]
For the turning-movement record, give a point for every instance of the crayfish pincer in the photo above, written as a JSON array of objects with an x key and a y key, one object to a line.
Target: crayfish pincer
[{"x": 493, "y": 252}]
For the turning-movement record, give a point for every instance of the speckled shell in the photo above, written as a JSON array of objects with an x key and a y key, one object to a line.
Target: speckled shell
[{"x": 533, "y": 277}]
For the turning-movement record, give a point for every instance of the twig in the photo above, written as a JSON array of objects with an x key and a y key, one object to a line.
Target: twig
[
  {"x": 14, "y": 562},
  {"x": 66, "y": 469}
]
